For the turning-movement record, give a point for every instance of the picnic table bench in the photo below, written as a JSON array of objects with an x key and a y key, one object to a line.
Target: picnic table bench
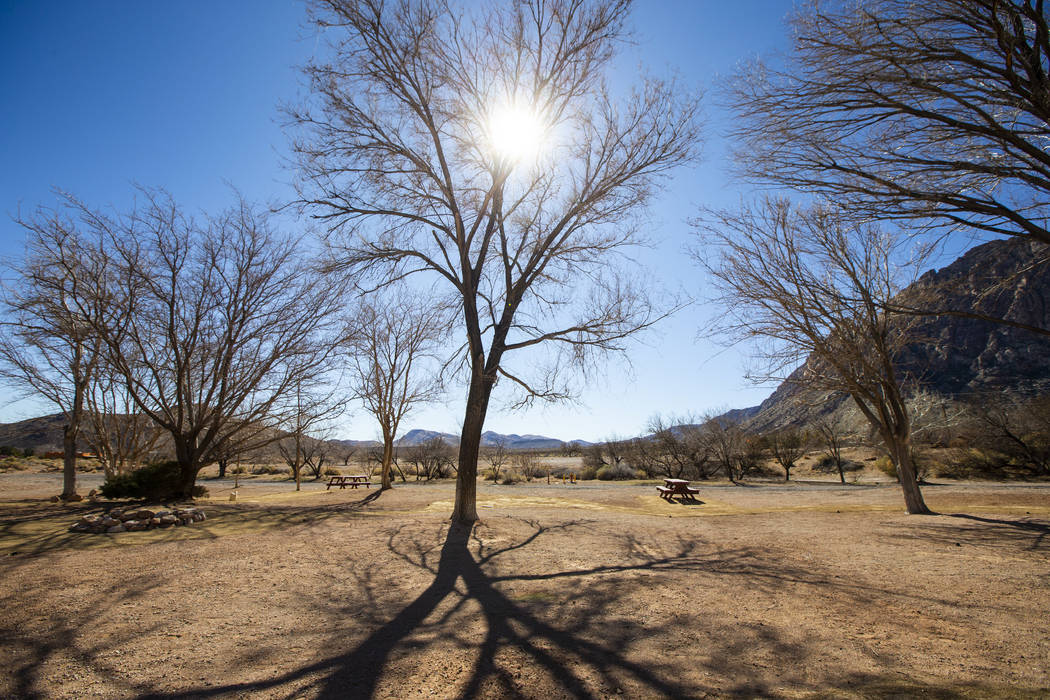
[
  {"x": 677, "y": 487},
  {"x": 351, "y": 480}
]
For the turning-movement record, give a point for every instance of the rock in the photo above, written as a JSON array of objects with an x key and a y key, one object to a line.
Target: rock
[
  {"x": 142, "y": 514},
  {"x": 119, "y": 527},
  {"x": 80, "y": 527},
  {"x": 74, "y": 497},
  {"x": 134, "y": 525},
  {"x": 110, "y": 522},
  {"x": 168, "y": 520},
  {"x": 154, "y": 522},
  {"x": 199, "y": 516},
  {"x": 55, "y": 499},
  {"x": 162, "y": 513}
]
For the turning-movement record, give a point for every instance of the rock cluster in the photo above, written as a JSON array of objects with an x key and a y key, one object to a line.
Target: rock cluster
[{"x": 132, "y": 519}]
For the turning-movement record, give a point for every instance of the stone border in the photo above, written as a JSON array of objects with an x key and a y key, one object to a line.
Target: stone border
[{"x": 133, "y": 519}]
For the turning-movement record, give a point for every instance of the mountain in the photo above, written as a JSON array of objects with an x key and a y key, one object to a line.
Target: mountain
[
  {"x": 419, "y": 436},
  {"x": 488, "y": 439},
  {"x": 42, "y": 434},
  {"x": 957, "y": 357}
]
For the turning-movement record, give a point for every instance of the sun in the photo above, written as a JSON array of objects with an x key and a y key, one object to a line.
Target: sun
[{"x": 515, "y": 133}]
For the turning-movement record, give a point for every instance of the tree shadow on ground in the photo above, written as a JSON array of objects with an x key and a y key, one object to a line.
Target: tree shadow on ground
[{"x": 470, "y": 607}]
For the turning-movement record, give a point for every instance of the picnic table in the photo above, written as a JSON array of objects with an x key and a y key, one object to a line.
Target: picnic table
[
  {"x": 677, "y": 487},
  {"x": 351, "y": 480}
]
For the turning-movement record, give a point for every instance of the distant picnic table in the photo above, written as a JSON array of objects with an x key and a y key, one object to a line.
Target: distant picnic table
[
  {"x": 677, "y": 487},
  {"x": 351, "y": 480}
]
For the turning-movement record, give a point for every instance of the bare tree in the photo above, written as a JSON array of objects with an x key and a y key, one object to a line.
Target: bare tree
[
  {"x": 1017, "y": 428},
  {"x": 916, "y": 109},
  {"x": 406, "y": 157},
  {"x": 497, "y": 456},
  {"x": 678, "y": 447},
  {"x": 432, "y": 459},
  {"x": 726, "y": 442},
  {"x": 389, "y": 341},
  {"x": 120, "y": 434},
  {"x": 314, "y": 408},
  {"x": 832, "y": 431},
  {"x": 47, "y": 345},
  {"x": 213, "y": 326},
  {"x": 787, "y": 447},
  {"x": 810, "y": 286}
]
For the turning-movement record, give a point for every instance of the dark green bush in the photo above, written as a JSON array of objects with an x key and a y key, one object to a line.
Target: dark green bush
[
  {"x": 158, "y": 481},
  {"x": 8, "y": 451}
]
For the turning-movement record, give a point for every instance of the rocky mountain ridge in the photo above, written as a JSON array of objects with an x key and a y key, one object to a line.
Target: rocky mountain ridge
[{"x": 954, "y": 357}]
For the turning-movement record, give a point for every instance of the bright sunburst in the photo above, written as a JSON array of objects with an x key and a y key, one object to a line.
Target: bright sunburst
[{"x": 515, "y": 133}]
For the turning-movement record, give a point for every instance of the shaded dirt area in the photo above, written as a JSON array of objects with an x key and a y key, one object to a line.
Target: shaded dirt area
[{"x": 593, "y": 590}]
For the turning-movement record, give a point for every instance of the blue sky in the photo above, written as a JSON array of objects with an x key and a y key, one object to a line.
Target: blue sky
[{"x": 98, "y": 96}]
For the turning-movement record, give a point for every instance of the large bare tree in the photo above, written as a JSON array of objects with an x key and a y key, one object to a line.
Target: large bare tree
[
  {"x": 390, "y": 340},
  {"x": 47, "y": 346},
  {"x": 212, "y": 326},
  {"x": 809, "y": 286},
  {"x": 412, "y": 154},
  {"x": 909, "y": 109}
]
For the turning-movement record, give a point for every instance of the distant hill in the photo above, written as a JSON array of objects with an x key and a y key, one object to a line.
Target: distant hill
[
  {"x": 957, "y": 357},
  {"x": 488, "y": 439},
  {"x": 43, "y": 434}
]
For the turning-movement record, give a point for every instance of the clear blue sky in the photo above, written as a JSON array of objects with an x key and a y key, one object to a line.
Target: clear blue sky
[{"x": 183, "y": 95}]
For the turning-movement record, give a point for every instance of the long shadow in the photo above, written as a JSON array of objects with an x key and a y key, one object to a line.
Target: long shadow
[
  {"x": 1039, "y": 529},
  {"x": 561, "y": 653}
]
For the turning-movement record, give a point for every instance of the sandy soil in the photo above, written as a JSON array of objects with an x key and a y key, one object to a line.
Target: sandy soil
[{"x": 593, "y": 590}]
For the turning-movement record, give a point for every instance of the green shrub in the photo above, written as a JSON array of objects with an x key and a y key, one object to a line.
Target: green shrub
[
  {"x": 158, "y": 481},
  {"x": 8, "y": 451},
  {"x": 612, "y": 472}
]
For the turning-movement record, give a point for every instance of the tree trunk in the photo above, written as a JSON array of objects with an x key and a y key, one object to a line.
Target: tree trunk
[
  {"x": 913, "y": 500},
  {"x": 188, "y": 468},
  {"x": 465, "y": 511},
  {"x": 388, "y": 457},
  {"x": 222, "y": 468},
  {"x": 842, "y": 472},
  {"x": 69, "y": 461}
]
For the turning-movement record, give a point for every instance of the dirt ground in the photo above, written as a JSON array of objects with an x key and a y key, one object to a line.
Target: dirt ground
[{"x": 591, "y": 590}]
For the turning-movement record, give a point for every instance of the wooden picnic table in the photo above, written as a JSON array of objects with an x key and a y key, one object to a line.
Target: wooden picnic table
[
  {"x": 677, "y": 487},
  {"x": 351, "y": 480}
]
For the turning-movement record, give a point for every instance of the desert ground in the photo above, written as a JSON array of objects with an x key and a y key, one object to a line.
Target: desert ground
[{"x": 593, "y": 590}]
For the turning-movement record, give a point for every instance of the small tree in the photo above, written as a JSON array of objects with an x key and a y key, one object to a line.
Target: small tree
[
  {"x": 121, "y": 436},
  {"x": 787, "y": 447},
  {"x": 497, "y": 455},
  {"x": 432, "y": 459},
  {"x": 832, "y": 432},
  {"x": 389, "y": 341}
]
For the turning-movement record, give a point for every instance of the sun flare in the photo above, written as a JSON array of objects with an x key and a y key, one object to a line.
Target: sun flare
[{"x": 515, "y": 133}]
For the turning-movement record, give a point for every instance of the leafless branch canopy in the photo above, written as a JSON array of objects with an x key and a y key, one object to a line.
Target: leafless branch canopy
[
  {"x": 396, "y": 161},
  {"x": 910, "y": 109},
  {"x": 810, "y": 285},
  {"x": 211, "y": 325}
]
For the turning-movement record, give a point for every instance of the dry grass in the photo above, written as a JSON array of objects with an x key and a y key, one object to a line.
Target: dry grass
[{"x": 592, "y": 590}]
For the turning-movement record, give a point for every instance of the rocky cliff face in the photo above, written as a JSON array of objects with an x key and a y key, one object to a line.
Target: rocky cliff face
[{"x": 959, "y": 357}]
